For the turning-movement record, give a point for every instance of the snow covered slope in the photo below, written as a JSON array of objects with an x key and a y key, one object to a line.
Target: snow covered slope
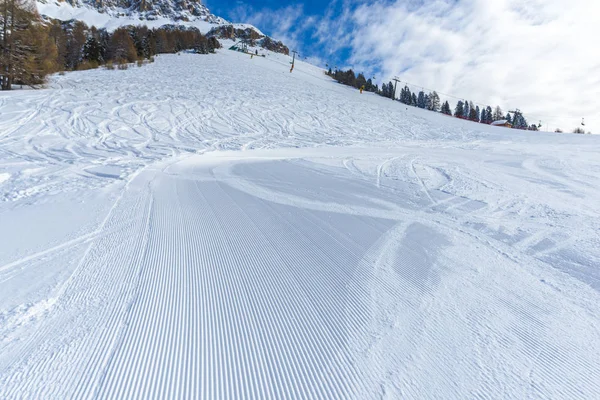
[{"x": 216, "y": 227}]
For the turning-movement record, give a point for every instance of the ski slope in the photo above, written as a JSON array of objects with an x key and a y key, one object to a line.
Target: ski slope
[{"x": 216, "y": 227}]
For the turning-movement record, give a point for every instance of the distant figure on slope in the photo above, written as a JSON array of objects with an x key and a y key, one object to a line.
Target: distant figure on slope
[{"x": 362, "y": 88}]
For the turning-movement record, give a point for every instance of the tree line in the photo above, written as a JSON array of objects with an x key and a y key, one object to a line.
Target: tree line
[
  {"x": 349, "y": 78},
  {"x": 32, "y": 48},
  {"x": 431, "y": 101}
]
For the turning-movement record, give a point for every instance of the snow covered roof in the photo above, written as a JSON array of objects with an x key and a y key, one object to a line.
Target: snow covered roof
[{"x": 500, "y": 122}]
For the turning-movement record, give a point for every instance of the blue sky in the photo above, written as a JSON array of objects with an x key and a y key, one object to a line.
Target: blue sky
[
  {"x": 535, "y": 55},
  {"x": 297, "y": 23}
]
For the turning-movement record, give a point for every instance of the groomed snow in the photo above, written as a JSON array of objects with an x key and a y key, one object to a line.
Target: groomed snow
[{"x": 216, "y": 227}]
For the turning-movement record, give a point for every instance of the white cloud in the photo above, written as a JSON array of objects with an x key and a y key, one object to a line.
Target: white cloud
[
  {"x": 540, "y": 56},
  {"x": 284, "y": 24}
]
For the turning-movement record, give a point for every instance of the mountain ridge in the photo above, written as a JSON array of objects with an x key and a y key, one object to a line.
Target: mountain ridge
[{"x": 144, "y": 10}]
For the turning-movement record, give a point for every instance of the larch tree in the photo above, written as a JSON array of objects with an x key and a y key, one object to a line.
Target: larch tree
[
  {"x": 27, "y": 54},
  {"x": 436, "y": 103},
  {"x": 498, "y": 114}
]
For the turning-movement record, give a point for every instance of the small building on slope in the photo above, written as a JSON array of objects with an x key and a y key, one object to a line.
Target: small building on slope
[{"x": 502, "y": 122}]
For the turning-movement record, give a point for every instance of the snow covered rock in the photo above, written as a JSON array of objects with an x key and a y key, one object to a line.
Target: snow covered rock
[
  {"x": 176, "y": 10},
  {"x": 250, "y": 34}
]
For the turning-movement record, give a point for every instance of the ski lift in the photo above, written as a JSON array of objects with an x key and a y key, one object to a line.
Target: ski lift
[
  {"x": 582, "y": 122},
  {"x": 540, "y": 124}
]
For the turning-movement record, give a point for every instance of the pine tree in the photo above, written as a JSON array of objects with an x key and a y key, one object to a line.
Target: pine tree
[
  {"x": 466, "y": 110},
  {"x": 361, "y": 81},
  {"x": 459, "y": 111},
  {"x": 446, "y": 108},
  {"x": 384, "y": 90},
  {"x": 478, "y": 114},
  {"x": 508, "y": 118},
  {"x": 91, "y": 50},
  {"x": 519, "y": 121},
  {"x": 421, "y": 100},
  {"x": 76, "y": 39},
  {"x": 407, "y": 98},
  {"x": 472, "y": 114},
  {"x": 488, "y": 115},
  {"x": 414, "y": 100}
]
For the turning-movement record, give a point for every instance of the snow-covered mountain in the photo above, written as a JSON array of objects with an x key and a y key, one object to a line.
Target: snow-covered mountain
[
  {"x": 112, "y": 14},
  {"x": 177, "y": 10}
]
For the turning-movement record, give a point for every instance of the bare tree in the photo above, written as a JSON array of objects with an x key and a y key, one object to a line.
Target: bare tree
[{"x": 498, "y": 114}]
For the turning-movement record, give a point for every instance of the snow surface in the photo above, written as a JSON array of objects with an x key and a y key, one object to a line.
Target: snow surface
[{"x": 216, "y": 227}]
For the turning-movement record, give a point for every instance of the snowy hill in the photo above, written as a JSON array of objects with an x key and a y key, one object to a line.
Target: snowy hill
[{"x": 218, "y": 227}]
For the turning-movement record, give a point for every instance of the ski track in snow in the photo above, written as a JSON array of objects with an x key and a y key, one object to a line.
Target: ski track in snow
[{"x": 272, "y": 235}]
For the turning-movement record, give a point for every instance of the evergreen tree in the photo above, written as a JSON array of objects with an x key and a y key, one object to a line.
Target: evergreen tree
[
  {"x": 483, "y": 117},
  {"x": 407, "y": 98},
  {"x": 361, "y": 81},
  {"x": 459, "y": 111},
  {"x": 489, "y": 118},
  {"x": 519, "y": 121},
  {"x": 421, "y": 100},
  {"x": 508, "y": 118},
  {"x": 92, "y": 51},
  {"x": 446, "y": 108},
  {"x": 478, "y": 114},
  {"x": 466, "y": 110},
  {"x": 414, "y": 100},
  {"x": 76, "y": 39},
  {"x": 471, "y": 110},
  {"x": 472, "y": 114},
  {"x": 384, "y": 90}
]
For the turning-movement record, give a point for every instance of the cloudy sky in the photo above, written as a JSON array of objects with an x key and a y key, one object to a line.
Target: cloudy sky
[{"x": 541, "y": 56}]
